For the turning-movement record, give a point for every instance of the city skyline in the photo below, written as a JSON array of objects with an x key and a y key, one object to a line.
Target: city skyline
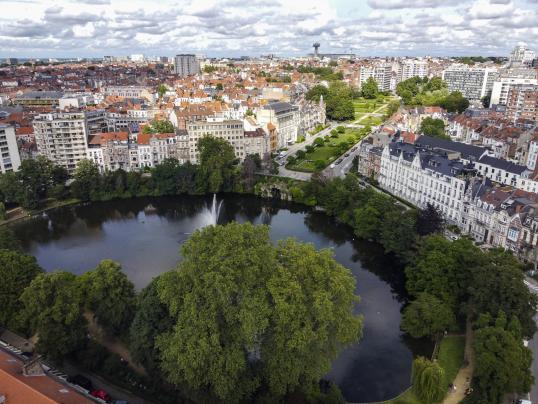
[{"x": 35, "y": 29}]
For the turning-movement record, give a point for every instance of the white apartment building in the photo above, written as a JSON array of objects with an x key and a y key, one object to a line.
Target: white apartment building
[
  {"x": 412, "y": 68},
  {"x": 522, "y": 55},
  {"x": 421, "y": 177},
  {"x": 286, "y": 119},
  {"x": 186, "y": 65},
  {"x": 128, "y": 92},
  {"x": 501, "y": 87},
  {"x": 62, "y": 137},
  {"x": 230, "y": 130},
  {"x": 10, "y": 159},
  {"x": 381, "y": 73},
  {"x": 473, "y": 83}
]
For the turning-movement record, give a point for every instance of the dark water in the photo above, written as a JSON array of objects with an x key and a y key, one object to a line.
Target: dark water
[{"x": 146, "y": 243}]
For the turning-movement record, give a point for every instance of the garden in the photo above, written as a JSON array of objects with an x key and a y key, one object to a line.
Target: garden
[{"x": 325, "y": 150}]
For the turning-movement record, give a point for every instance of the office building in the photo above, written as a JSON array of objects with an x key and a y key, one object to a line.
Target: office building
[
  {"x": 186, "y": 65},
  {"x": 228, "y": 129},
  {"x": 10, "y": 159}
]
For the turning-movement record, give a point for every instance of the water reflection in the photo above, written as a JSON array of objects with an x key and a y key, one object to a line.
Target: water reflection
[{"x": 145, "y": 234}]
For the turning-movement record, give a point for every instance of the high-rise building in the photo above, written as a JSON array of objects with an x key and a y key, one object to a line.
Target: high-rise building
[
  {"x": 522, "y": 55},
  {"x": 186, "y": 65},
  {"x": 473, "y": 83},
  {"x": 501, "y": 86},
  {"x": 10, "y": 159},
  {"x": 381, "y": 73},
  {"x": 412, "y": 68},
  {"x": 12, "y": 61},
  {"x": 62, "y": 137},
  {"x": 522, "y": 102}
]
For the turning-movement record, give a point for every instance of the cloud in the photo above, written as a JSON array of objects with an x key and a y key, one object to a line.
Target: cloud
[{"x": 238, "y": 27}]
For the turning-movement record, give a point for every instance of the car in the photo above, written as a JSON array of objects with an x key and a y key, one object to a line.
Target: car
[
  {"x": 101, "y": 394},
  {"x": 454, "y": 238},
  {"x": 332, "y": 165},
  {"x": 346, "y": 155},
  {"x": 338, "y": 161},
  {"x": 354, "y": 148},
  {"x": 81, "y": 381}
]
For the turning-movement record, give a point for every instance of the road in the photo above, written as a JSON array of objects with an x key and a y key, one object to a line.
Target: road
[{"x": 115, "y": 392}]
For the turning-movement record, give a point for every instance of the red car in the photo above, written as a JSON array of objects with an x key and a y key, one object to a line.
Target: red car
[{"x": 103, "y": 395}]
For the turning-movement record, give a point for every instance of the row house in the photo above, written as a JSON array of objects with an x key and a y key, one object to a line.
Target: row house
[{"x": 369, "y": 160}]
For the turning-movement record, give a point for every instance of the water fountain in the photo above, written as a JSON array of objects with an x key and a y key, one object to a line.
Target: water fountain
[{"x": 211, "y": 214}]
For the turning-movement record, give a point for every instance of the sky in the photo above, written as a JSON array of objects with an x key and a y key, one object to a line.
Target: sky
[{"x": 217, "y": 28}]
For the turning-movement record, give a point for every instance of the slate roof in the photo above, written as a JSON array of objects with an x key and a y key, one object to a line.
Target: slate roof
[
  {"x": 503, "y": 165},
  {"x": 467, "y": 151},
  {"x": 279, "y": 107}
]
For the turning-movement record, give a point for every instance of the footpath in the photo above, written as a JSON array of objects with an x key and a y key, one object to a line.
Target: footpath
[{"x": 465, "y": 374}]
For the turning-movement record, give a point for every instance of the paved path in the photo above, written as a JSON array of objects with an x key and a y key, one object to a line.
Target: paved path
[{"x": 465, "y": 374}]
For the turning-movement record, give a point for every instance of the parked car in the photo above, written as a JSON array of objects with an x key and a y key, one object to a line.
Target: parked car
[
  {"x": 346, "y": 155},
  {"x": 338, "y": 161},
  {"x": 354, "y": 148},
  {"x": 81, "y": 381},
  {"x": 103, "y": 395}
]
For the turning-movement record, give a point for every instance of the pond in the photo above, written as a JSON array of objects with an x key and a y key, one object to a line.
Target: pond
[{"x": 145, "y": 234}]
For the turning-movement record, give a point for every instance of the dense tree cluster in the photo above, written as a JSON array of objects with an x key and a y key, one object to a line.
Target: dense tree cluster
[
  {"x": 338, "y": 100},
  {"x": 369, "y": 89},
  {"x": 429, "y": 92},
  {"x": 239, "y": 319},
  {"x": 434, "y": 128},
  {"x": 323, "y": 73}
]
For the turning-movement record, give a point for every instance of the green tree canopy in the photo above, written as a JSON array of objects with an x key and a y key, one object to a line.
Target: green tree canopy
[
  {"x": 217, "y": 160},
  {"x": 159, "y": 126},
  {"x": 316, "y": 92},
  {"x": 8, "y": 240},
  {"x": 53, "y": 309},
  {"x": 248, "y": 314},
  {"x": 16, "y": 272},
  {"x": 151, "y": 319},
  {"x": 434, "y": 128},
  {"x": 427, "y": 316},
  {"x": 161, "y": 90},
  {"x": 86, "y": 180},
  {"x": 428, "y": 380},
  {"x": 502, "y": 363},
  {"x": 109, "y": 295},
  {"x": 369, "y": 88},
  {"x": 339, "y": 102}
]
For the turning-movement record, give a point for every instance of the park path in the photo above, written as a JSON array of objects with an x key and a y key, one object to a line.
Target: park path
[
  {"x": 367, "y": 114},
  {"x": 112, "y": 343},
  {"x": 465, "y": 374}
]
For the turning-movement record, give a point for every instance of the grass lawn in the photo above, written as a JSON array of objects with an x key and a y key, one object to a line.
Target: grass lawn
[
  {"x": 372, "y": 121},
  {"x": 451, "y": 356},
  {"x": 328, "y": 152}
]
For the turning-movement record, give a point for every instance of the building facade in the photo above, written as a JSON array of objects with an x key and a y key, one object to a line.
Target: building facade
[
  {"x": 10, "y": 159},
  {"x": 186, "y": 65}
]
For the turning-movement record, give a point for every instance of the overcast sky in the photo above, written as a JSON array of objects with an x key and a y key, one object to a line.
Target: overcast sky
[{"x": 93, "y": 28}]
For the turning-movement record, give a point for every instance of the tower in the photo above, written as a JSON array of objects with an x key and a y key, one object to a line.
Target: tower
[{"x": 316, "y": 49}]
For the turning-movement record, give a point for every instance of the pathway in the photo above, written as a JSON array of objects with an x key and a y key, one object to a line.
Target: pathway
[{"x": 465, "y": 374}]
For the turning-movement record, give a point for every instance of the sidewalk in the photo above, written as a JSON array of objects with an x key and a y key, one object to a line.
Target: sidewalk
[{"x": 465, "y": 374}]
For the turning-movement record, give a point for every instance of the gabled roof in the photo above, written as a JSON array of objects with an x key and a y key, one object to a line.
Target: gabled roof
[
  {"x": 467, "y": 151},
  {"x": 503, "y": 164}
]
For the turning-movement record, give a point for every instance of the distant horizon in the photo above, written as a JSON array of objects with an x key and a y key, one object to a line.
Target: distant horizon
[{"x": 233, "y": 28}]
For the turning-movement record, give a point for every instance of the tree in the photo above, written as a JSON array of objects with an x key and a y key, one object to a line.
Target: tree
[
  {"x": 2, "y": 211},
  {"x": 316, "y": 92},
  {"x": 52, "y": 308},
  {"x": 427, "y": 378},
  {"x": 248, "y": 314},
  {"x": 86, "y": 180},
  {"x": 427, "y": 316},
  {"x": 219, "y": 87},
  {"x": 217, "y": 159},
  {"x": 109, "y": 295},
  {"x": 165, "y": 177},
  {"x": 502, "y": 364},
  {"x": 430, "y": 220},
  {"x": 455, "y": 102},
  {"x": 8, "y": 241},
  {"x": 319, "y": 142},
  {"x": 159, "y": 126},
  {"x": 16, "y": 271},
  {"x": 486, "y": 100},
  {"x": 369, "y": 88},
  {"x": 161, "y": 90},
  {"x": 339, "y": 104},
  {"x": 301, "y": 154},
  {"x": 398, "y": 231},
  {"x": 151, "y": 319},
  {"x": 434, "y": 128},
  {"x": 248, "y": 172}
]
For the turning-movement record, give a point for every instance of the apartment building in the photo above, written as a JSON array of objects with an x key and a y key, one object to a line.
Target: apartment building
[
  {"x": 522, "y": 102},
  {"x": 412, "y": 68},
  {"x": 473, "y": 83},
  {"x": 423, "y": 176},
  {"x": 128, "y": 92},
  {"x": 10, "y": 159},
  {"x": 186, "y": 65},
  {"x": 230, "y": 130},
  {"x": 381, "y": 73},
  {"x": 62, "y": 137},
  {"x": 286, "y": 119},
  {"x": 501, "y": 87}
]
